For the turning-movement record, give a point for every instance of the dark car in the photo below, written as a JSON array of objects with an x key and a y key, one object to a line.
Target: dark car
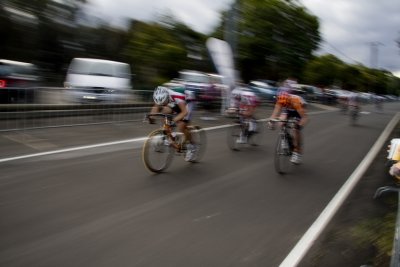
[{"x": 17, "y": 81}]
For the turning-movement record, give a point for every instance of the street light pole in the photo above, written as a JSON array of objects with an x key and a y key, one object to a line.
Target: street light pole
[{"x": 374, "y": 54}]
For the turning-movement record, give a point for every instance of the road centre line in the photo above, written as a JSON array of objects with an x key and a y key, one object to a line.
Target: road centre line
[
  {"x": 139, "y": 139},
  {"x": 308, "y": 239},
  {"x": 72, "y": 149}
]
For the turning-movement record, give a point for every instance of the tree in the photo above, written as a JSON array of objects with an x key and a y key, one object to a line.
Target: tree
[
  {"x": 276, "y": 38},
  {"x": 323, "y": 71},
  {"x": 155, "y": 53}
]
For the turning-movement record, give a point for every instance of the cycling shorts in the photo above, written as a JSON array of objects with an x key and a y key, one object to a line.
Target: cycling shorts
[{"x": 293, "y": 114}]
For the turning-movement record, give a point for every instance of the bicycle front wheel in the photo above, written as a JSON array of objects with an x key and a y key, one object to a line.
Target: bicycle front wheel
[
  {"x": 282, "y": 155},
  {"x": 199, "y": 139},
  {"x": 157, "y": 153}
]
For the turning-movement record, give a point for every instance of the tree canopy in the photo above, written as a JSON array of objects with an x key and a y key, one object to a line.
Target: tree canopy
[{"x": 273, "y": 39}]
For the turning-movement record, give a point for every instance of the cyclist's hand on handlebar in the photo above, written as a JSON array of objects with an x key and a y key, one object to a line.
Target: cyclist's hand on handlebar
[
  {"x": 150, "y": 119},
  {"x": 171, "y": 123}
]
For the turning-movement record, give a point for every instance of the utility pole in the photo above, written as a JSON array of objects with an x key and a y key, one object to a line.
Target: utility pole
[{"x": 374, "y": 54}]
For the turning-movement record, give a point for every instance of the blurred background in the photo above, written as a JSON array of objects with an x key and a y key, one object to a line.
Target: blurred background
[{"x": 271, "y": 40}]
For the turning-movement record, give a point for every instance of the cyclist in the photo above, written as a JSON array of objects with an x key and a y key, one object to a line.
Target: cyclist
[
  {"x": 245, "y": 103},
  {"x": 168, "y": 101},
  {"x": 290, "y": 106},
  {"x": 352, "y": 101}
]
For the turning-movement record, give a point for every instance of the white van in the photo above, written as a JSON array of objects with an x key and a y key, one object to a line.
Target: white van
[{"x": 95, "y": 80}]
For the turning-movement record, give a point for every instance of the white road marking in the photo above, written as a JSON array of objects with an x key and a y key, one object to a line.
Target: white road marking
[
  {"x": 140, "y": 139},
  {"x": 72, "y": 149}
]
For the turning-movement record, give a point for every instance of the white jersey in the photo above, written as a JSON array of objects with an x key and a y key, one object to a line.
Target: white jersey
[
  {"x": 242, "y": 97},
  {"x": 175, "y": 98}
]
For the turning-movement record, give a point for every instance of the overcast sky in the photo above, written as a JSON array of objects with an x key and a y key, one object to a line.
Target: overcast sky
[{"x": 361, "y": 31}]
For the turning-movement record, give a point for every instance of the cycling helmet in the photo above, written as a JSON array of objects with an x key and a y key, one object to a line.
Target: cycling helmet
[{"x": 161, "y": 95}]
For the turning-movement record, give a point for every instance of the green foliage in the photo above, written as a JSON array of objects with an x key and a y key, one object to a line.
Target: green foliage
[
  {"x": 379, "y": 233},
  {"x": 276, "y": 38},
  {"x": 328, "y": 70},
  {"x": 323, "y": 71},
  {"x": 156, "y": 52}
]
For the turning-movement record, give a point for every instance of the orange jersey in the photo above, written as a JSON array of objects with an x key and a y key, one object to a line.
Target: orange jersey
[{"x": 291, "y": 102}]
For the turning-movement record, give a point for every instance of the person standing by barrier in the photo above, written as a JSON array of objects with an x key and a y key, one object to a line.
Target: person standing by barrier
[{"x": 394, "y": 155}]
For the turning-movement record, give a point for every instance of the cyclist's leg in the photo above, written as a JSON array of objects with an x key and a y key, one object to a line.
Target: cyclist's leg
[
  {"x": 182, "y": 127},
  {"x": 294, "y": 115},
  {"x": 249, "y": 115},
  {"x": 297, "y": 142}
]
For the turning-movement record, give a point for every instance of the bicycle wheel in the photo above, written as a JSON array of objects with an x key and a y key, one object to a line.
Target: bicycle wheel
[
  {"x": 157, "y": 154},
  {"x": 282, "y": 155},
  {"x": 233, "y": 137},
  {"x": 199, "y": 139}
]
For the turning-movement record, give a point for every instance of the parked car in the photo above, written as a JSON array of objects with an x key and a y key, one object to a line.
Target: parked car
[
  {"x": 309, "y": 92},
  {"x": 98, "y": 80},
  {"x": 208, "y": 94},
  {"x": 18, "y": 81},
  {"x": 265, "y": 91}
]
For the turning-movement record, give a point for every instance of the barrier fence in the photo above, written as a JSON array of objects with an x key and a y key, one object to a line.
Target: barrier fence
[{"x": 29, "y": 108}]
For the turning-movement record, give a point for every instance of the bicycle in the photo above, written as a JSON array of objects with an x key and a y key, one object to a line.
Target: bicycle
[
  {"x": 284, "y": 145},
  {"x": 162, "y": 144},
  {"x": 354, "y": 113},
  {"x": 239, "y": 135}
]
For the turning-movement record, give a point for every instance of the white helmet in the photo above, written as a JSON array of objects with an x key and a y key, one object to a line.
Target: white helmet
[{"x": 161, "y": 95}]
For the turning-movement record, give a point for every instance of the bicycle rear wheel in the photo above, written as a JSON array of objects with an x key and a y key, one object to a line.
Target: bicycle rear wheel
[
  {"x": 257, "y": 138},
  {"x": 353, "y": 116},
  {"x": 233, "y": 137},
  {"x": 199, "y": 139},
  {"x": 282, "y": 155},
  {"x": 157, "y": 153}
]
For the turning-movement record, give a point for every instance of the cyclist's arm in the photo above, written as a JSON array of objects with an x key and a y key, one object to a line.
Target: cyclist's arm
[
  {"x": 303, "y": 115},
  {"x": 277, "y": 111},
  {"x": 183, "y": 113}
]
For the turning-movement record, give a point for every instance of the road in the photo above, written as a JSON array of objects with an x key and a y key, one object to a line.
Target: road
[{"x": 99, "y": 206}]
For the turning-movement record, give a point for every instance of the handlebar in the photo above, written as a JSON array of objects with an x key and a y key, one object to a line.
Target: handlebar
[
  {"x": 281, "y": 120},
  {"x": 291, "y": 123},
  {"x": 169, "y": 116}
]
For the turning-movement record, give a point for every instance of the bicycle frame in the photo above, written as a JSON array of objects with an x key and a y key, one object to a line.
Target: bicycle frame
[
  {"x": 284, "y": 145},
  {"x": 239, "y": 135},
  {"x": 286, "y": 126},
  {"x": 169, "y": 130}
]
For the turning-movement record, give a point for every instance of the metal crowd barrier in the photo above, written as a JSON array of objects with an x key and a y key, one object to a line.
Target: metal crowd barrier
[
  {"x": 395, "y": 258},
  {"x": 27, "y": 108},
  {"x": 30, "y": 108}
]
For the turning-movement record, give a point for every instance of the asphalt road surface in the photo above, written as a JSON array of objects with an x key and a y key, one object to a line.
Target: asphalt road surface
[{"x": 99, "y": 206}]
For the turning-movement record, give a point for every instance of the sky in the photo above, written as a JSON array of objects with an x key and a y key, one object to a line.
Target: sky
[{"x": 356, "y": 31}]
